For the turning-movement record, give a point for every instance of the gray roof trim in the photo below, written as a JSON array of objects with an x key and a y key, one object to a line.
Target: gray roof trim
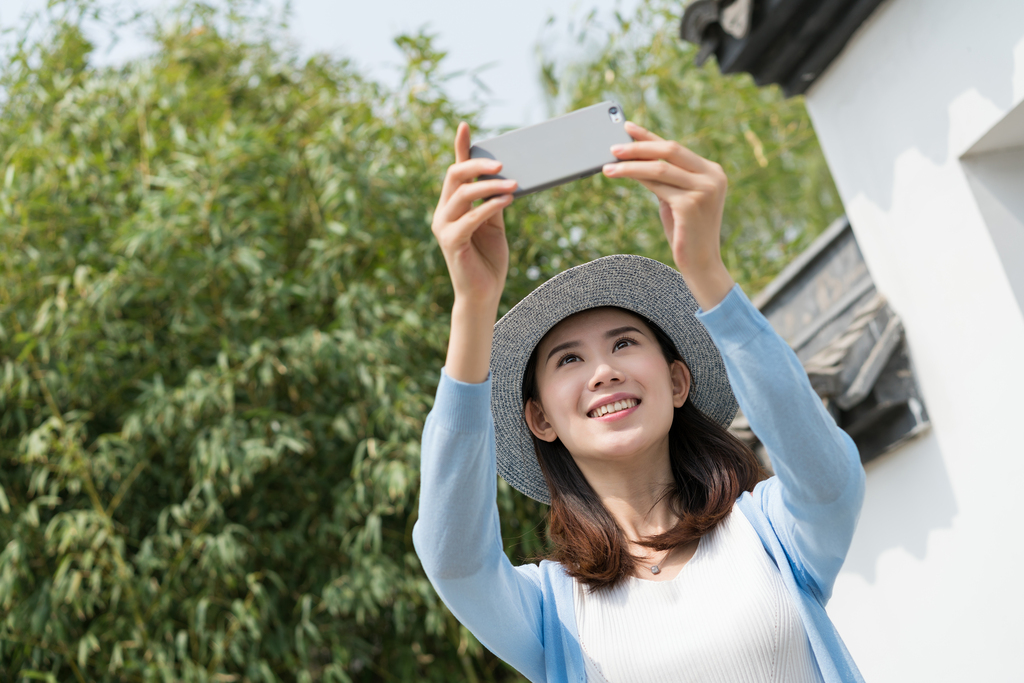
[
  {"x": 856, "y": 292},
  {"x": 765, "y": 296},
  {"x": 789, "y": 42}
]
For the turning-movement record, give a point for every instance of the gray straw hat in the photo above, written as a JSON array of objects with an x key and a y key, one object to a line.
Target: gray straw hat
[{"x": 634, "y": 283}]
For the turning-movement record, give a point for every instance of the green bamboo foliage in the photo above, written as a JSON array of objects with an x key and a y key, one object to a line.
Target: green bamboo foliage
[{"x": 222, "y": 318}]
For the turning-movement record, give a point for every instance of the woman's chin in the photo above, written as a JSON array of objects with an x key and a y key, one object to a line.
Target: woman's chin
[{"x": 624, "y": 452}]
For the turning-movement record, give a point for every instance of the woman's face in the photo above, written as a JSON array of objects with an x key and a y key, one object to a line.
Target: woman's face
[{"x": 605, "y": 388}]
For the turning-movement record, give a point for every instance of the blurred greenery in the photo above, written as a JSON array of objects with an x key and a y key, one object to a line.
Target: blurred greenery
[{"x": 222, "y": 318}]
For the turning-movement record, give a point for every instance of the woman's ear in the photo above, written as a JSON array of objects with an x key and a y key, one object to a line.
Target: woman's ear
[
  {"x": 537, "y": 421},
  {"x": 680, "y": 382}
]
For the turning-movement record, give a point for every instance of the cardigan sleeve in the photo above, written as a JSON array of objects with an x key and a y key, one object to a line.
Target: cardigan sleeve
[
  {"x": 814, "y": 499},
  {"x": 458, "y": 535}
]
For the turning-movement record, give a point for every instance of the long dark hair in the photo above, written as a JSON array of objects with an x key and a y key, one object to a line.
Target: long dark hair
[{"x": 710, "y": 468}]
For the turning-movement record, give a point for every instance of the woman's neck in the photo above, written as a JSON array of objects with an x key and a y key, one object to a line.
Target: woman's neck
[{"x": 634, "y": 492}]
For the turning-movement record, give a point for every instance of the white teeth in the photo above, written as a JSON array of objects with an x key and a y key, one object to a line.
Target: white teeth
[{"x": 614, "y": 407}]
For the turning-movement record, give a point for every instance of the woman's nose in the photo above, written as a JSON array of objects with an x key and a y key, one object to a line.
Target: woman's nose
[{"x": 605, "y": 374}]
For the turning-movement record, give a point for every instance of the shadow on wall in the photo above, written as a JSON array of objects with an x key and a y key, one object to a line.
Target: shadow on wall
[
  {"x": 909, "y": 495},
  {"x": 907, "y": 79}
]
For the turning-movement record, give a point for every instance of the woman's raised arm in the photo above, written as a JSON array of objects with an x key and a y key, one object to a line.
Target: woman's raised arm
[
  {"x": 458, "y": 533},
  {"x": 475, "y": 248}
]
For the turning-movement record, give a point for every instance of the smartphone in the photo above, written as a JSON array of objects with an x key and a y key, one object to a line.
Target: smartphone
[{"x": 557, "y": 151}]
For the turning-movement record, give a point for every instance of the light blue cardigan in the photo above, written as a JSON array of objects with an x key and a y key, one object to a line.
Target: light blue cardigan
[{"x": 805, "y": 514}]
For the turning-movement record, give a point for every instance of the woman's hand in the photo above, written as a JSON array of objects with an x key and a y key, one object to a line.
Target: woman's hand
[
  {"x": 472, "y": 238},
  {"x": 691, "y": 195},
  {"x": 475, "y": 248}
]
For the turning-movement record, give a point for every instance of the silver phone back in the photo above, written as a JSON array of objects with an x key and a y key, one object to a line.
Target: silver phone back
[{"x": 571, "y": 146}]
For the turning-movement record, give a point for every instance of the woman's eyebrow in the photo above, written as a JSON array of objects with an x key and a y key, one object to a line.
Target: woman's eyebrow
[
  {"x": 610, "y": 333},
  {"x": 621, "y": 330}
]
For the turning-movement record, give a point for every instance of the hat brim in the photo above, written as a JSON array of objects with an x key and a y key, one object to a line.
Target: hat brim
[{"x": 642, "y": 285}]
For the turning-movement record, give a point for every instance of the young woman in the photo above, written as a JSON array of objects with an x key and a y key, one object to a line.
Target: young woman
[{"x": 607, "y": 393}]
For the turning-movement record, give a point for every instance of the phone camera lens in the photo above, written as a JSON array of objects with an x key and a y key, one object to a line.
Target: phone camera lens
[{"x": 613, "y": 110}]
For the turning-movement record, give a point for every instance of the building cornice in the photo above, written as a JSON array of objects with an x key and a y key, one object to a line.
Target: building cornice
[{"x": 788, "y": 42}]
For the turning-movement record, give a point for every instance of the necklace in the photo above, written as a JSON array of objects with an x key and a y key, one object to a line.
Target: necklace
[{"x": 655, "y": 568}]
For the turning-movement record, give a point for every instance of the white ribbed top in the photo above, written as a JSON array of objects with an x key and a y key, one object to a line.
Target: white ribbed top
[{"x": 726, "y": 618}]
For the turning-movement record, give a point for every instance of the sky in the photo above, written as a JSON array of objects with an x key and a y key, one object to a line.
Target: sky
[{"x": 474, "y": 33}]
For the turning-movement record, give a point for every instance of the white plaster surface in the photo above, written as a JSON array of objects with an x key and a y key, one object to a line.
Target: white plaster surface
[{"x": 932, "y": 588}]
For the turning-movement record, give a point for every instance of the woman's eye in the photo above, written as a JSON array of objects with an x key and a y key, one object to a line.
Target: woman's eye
[
  {"x": 567, "y": 358},
  {"x": 624, "y": 342}
]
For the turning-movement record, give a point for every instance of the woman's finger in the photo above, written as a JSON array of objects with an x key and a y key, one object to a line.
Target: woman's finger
[
  {"x": 462, "y": 142},
  {"x": 461, "y": 231},
  {"x": 461, "y": 156},
  {"x": 658, "y": 171},
  {"x": 463, "y": 172},
  {"x": 660, "y": 190},
  {"x": 670, "y": 151},
  {"x": 639, "y": 132},
  {"x": 462, "y": 199}
]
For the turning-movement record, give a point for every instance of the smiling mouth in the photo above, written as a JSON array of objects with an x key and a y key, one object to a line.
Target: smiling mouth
[{"x": 610, "y": 408}]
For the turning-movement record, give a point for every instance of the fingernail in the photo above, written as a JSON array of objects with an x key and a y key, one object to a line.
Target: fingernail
[
  {"x": 617, "y": 148},
  {"x": 608, "y": 169}
]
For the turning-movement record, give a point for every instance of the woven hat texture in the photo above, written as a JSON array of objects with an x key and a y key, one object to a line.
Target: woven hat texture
[{"x": 634, "y": 283}]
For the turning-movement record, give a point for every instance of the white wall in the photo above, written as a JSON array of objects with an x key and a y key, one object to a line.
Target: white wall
[{"x": 932, "y": 589}]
